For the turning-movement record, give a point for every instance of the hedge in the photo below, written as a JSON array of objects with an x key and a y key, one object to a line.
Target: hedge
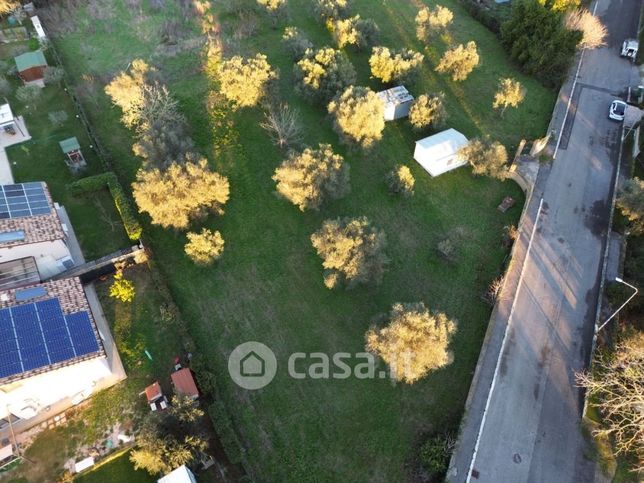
[
  {"x": 98, "y": 182},
  {"x": 224, "y": 427}
]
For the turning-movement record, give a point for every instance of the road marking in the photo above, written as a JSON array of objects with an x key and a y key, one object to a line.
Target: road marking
[
  {"x": 572, "y": 92},
  {"x": 505, "y": 337}
]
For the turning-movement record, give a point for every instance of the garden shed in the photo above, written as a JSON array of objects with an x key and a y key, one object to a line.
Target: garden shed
[
  {"x": 397, "y": 101},
  {"x": 72, "y": 150},
  {"x": 438, "y": 154},
  {"x": 31, "y": 67}
]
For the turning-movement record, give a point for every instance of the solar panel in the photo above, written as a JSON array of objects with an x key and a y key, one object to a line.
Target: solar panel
[
  {"x": 20, "y": 200},
  {"x": 38, "y": 334}
]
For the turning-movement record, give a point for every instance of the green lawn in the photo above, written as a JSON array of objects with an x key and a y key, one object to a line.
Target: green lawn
[
  {"x": 268, "y": 285},
  {"x": 117, "y": 470}
]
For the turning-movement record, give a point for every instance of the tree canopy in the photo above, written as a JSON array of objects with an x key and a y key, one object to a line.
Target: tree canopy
[
  {"x": 244, "y": 81},
  {"x": 205, "y": 247},
  {"x": 296, "y": 42},
  {"x": 510, "y": 93},
  {"x": 459, "y": 61},
  {"x": 306, "y": 179},
  {"x": 428, "y": 110},
  {"x": 414, "y": 342},
  {"x": 400, "y": 181},
  {"x": 331, "y": 9},
  {"x": 354, "y": 31},
  {"x": 180, "y": 194},
  {"x": 486, "y": 157},
  {"x": 322, "y": 73},
  {"x": 352, "y": 251},
  {"x": 429, "y": 22},
  {"x": 358, "y": 116},
  {"x": 390, "y": 66},
  {"x": 127, "y": 91}
]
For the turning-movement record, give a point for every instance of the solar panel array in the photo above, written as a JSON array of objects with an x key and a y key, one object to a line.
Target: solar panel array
[
  {"x": 20, "y": 200},
  {"x": 36, "y": 335}
]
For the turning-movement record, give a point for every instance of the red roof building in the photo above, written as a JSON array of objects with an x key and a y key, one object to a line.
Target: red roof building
[{"x": 184, "y": 383}]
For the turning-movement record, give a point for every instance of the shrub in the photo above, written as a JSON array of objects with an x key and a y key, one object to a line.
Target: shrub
[
  {"x": 226, "y": 432},
  {"x": 205, "y": 247},
  {"x": 331, "y": 9},
  {"x": 58, "y": 118},
  {"x": 459, "y": 61},
  {"x": 306, "y": 179},
  {"x": 390, "y": 66},
  {"x": 321, "y": 74},
  {"x": 414, "y": 343},
  {"x": 296, "y": 42},
  {"x": 400, "y": 181},
  {"x": 29, "y": 95},
  {"x": 486, "y": 157},
  {"x": 593, "y": 32},
  {"x": 630, "y": 201},
  {"x": 435, "y": 454},
  {"x": 244, "y": 81},
  {"x": 122, "y": 289},
  {"x": 53, "y": 75},
  {"x": 358, "y": 116},
  {"x": 352, "y": 251},
  {"x": 427, "y": 110},
  {"x": 560, "y": 5},
  {"x": 354, "y": 31},
  {"x": 429, "y": 22}
]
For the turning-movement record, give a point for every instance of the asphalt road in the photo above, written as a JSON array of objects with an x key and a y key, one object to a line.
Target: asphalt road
[{"x": 531, "y": 428}]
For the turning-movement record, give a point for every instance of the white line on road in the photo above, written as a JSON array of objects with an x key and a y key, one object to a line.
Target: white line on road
[
  {"x": 505, "y": 336},
  {"x": 572, "y": 91}
]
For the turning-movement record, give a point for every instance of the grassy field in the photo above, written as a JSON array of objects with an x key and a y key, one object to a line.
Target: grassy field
[
  {"x": 268, "y": 285},
  {"x": 118, "y": 469}
]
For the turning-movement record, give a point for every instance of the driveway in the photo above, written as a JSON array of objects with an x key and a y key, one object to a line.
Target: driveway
[{"x": 524, "y": 412}]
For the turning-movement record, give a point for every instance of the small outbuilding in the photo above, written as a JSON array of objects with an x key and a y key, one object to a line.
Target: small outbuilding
[
  {"x": 72, "y": 150},
  {"x": 182, "y": 474},
  {"x": 397, "y": 102},
  {"x": 438, "y": 154},
  {"x": 184, "y": 383},
  {"x": 7, "y": 121},
  {"x": 31, "y": 67}
]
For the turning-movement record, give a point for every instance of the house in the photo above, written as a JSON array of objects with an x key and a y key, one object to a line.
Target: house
[
  {"x": 31, "y": 67},
  {"x": 184, "y": 383},
  {"x": 33, "y": 240},
  {"x": 438, "y": 154},
  {"x": 52, "y": 355},
  {"x": 397, "y": 102},
  {"x": 182, "y": 474}
]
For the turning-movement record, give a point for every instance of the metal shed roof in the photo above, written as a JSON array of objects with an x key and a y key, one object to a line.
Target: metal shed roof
[
  {"x": 30, "y": 59},
  {"x": 69, "y": 145}
]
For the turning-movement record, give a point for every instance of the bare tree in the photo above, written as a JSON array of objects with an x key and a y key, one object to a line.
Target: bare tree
[
  {"x": 593, "y": 31},
  {"x": 616, "y": 388},
  {"x": 283, "y": 125}
]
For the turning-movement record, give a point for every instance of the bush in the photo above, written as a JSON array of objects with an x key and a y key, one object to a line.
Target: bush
[
  {"x": 427, "y": 110},
  {"x": 53, "y": 75},
  {"x": 122, "y": 289},
  {"x": 486, "y": 157},
  {"x": 123, "y": 206},
  {"x": 58, "y": 118},
  {"x": 399, "y": 66},
  {"x": 296, "y": 42},
  {"x": 321, "y": 74},
  {"x": 630, "y": 201},
  {"x": 538, "y": 40},
  {"x": 205, "y": 247},
  {"x": 434, "y": 455},
  {"x": 358, "y": 116},
  {"x": 400, "y": 181}
]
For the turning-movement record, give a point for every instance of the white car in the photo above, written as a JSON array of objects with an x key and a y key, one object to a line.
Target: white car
[{"x": 617, "y": 110}]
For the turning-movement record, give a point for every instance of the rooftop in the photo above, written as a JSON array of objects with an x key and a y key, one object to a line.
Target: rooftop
[
  {"x": 395, "y": 95},
  {"x": 44, "y": 327},
  {"x": 30, "y": 59},
  {"x": 27, "y": 215},
  {"x": 69, "y": 145},
  {"x": 184, "y": 383}
]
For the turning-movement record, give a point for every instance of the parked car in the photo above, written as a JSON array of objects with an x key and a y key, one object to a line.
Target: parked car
[
  {"x": 617, "y": 110},
  {"x": 629, "y": 49}
]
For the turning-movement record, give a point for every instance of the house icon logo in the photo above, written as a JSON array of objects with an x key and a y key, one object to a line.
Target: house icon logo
[{"x": 252, "y": 365}]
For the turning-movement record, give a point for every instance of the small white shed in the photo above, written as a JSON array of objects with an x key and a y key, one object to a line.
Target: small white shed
[
  {"x": 397, "y": 101},
  {"x": 180, "y": 475},
  {"x": 439, "y": 153}
]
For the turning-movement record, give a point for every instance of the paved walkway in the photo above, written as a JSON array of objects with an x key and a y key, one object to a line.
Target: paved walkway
[{"x": 6, "y": 140}]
